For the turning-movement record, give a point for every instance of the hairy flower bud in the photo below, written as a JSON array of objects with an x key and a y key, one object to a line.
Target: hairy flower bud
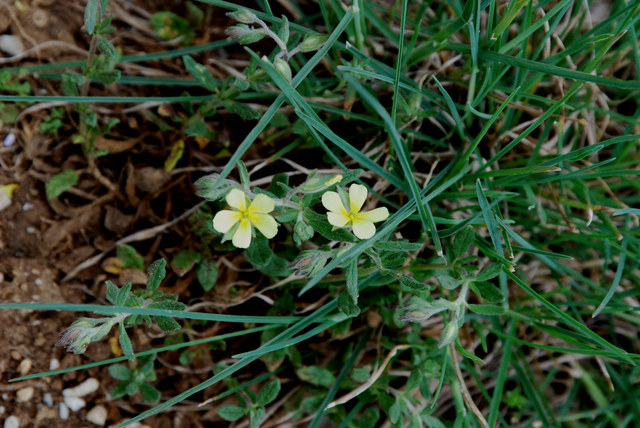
[
  {"x": 243, "y": 15},
  {"x": 312, "y": 42},
  {"x": 283, "y": 68},
  {"x": 319, "y": 182},
  {"x": 245, "y": 34}
]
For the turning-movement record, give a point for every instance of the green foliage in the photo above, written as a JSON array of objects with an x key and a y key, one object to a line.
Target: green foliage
[
  {"x": 61, "y": 182},
  {"x": 134, "y": 379}
]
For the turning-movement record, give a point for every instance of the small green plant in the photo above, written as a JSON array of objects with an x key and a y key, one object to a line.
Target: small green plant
[
  {"x": 52, "y": 123},
  {"x": 86, "y": 330},
  {"x": 251, "y": 404},
  {"x": 134, "y": 379}
]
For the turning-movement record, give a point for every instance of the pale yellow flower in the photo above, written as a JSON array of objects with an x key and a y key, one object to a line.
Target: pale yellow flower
[
  {"x": 360, "y": 221},
  {"x": 255, "y": 213}
]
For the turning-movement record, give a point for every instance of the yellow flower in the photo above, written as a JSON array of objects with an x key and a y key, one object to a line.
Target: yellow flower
[
  {"x": 361, "y": 222},
  {"x": 256, "y": 214}
]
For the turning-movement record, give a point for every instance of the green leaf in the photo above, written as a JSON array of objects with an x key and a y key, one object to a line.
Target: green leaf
[
  {"x": 129, "y": 257},
  {"x": 255, "y": 417},
  {"x": 120, "y": 390},
  {"x": 361, "y": 374},
  {"x": 200, "y": 72},
  {"x": 351, "y": 277},
  {"x": 123, "y": 294},
  {"x": 108, "y": 76},
  {"x": 107, "y": 48},
  {"x": 207, "y": 273},
  {"x": 318, "y": 376},
  {"x": 395, "y": 412},
  {"x": 463, "y": 239},
  {"x": 149, "y": 393},
  {"x": 156, "y": 273},
  {"x": 269, "y": 392},
  {"x": 125, "y": 342},
  {"x": 398, "y": 245},
  {"x": 284, "y": 30},
  {"x": 120, "y": 372},
  {"x": 167, "y": 324},
  {"x": 449, "y": 282},
  {"x": 112, "y": 292},
  {"x": 231, "y": 412},
  {"x": 487, "y": 309},
  {"x": 302, "y": 232},
  {"x": 243, "y": 110},
  {"x": 91, "y": 17},
  {"x": 347, "y": 305},
  {"x": 487, "y": 291},
  {"x": 490, "y": 272},
  {"x": 184, "y": 261},
  {"x": 61, "y": 182}
]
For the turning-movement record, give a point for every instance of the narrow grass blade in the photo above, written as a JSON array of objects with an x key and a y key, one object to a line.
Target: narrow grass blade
[
  {"x": 399, "y": 62},
  {"x": 616, "y": 281},
  {"x": 489, "y": 218},
  {"x": 73, "y": 307}
]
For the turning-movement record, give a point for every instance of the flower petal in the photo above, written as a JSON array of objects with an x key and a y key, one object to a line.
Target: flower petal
[
  {"x": 242, "y": 237},
  {"x": 378, "y": 214},
  {"x": 225, "y": 219},
  {"x": 266, "y": 224},
  {"x": 261, "y": 204},
  {"x": 357, "y": 196},
  {"x": 338, "y": 219},
  {"x": 363, "y": 229},
  {"x": 237, "y": 199},
  {"x": 331, "y": 201}
]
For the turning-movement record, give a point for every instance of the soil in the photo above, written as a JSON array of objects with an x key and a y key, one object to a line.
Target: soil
[{"x": 44, "y": 243}]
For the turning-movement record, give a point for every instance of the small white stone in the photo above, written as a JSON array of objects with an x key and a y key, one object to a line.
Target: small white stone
[
  {"x": 24, "y": 394},
  {"x": 27, "y": 206},
  {"x": 1, "y": 410},
  {"x": 64, "y": 411},
  {"x": 85, "y": 388},
  {"x": 97, "y": 415},
  {"x": 11, "y": 44},
  {"x": 25, "y": 366},
  {"x": 11, "y": 422},
  {"x": 9, "y": 139},
  {"x": 31, "y": 230},
  {"x": 74, "y": 403},
  {"x": 54, "y": 364},
  {"x": 47, "y": 399}
]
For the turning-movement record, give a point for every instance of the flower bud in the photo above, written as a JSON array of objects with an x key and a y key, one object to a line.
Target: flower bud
[
  {"x": 283, "y": 68},
  {"x": 319, "y": 182},
  {"x": 244, "y": 34},
  {"x": 243, "y": 15},
  {"x": 312, "y": 42},
  {"x": 310, "y": 262},
  {"x": 449, "y": 334}
]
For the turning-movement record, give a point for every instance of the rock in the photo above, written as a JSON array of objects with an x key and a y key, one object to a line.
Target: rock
[
  {"x": 24, "y": 394},
  {"x": 25, "y": 366},
  {"x": 74, "y": 403},
  {"x": 54, "y": 364},
  {"x": 85, "y": 388},
  {"x": 12, "y": 422},
  {"x": 47, "y": 399},
  {"x": 11, "y": 44},
  {"x": 45, "y": 413},
  {"x": 63, "y": 410},
  {"x": 97, "y": 415}
]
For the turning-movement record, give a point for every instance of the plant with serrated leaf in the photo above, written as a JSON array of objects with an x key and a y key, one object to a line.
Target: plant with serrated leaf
[
  {"x": 100, "y": 65},
  {"x": 135, "y": 378},
  {"x": 251, "y": 404},
  {"x": 86, "y": 330}
]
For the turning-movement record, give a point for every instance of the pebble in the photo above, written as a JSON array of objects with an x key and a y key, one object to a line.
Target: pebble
[
  {"x": 63, "y": 410},
  {"x": 27, "y": 206},
  {"x": 97, "y": 415},
  {"x": 11, "y": 422},
  {"x": 47, "y": 399},
  {"x": 25, "y": 366},
  {"x": 85, "y": 388},
  {"x": 74, "y": 403},
  {"x": 1, "y": 410},
  {"x": 45, "y": 413},
  {"x": 9, "y": 139},
  {"x": 24, "y": 394},
  {"x": 31, "y": 230},
  {"x": 54, "y": 364},
  {"x": 11, "y": 44},
  {"x": 16, "y": 355}
]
